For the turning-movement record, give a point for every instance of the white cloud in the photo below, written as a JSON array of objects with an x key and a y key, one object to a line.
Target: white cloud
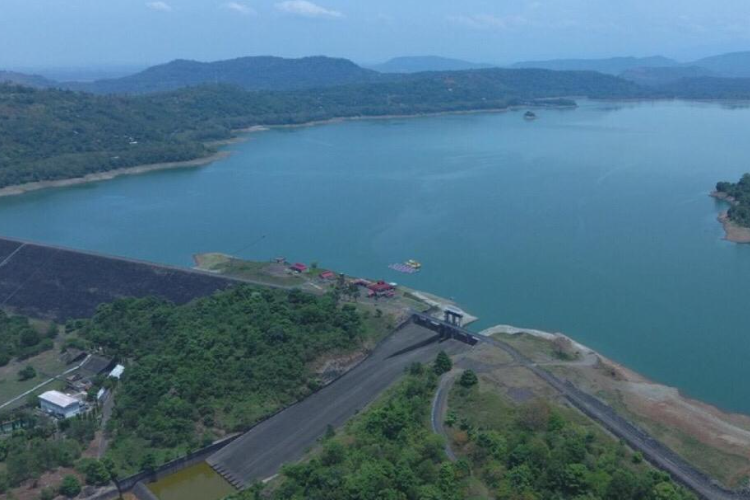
[
  {"x": 162, "y": 6},
  {"x": 489, "y": 21},
  {"x": 240, "y": 8},
  {"x": 307, "y": 9}
]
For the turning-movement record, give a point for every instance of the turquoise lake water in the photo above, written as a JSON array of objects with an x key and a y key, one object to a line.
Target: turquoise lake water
[{"x": 595, "y": 222}]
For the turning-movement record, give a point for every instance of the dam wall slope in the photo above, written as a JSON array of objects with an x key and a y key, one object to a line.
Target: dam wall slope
[{"x": 58, "y": 283}]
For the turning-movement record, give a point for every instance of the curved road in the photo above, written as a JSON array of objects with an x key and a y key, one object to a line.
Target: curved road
[{"x": 439, "y": 409}]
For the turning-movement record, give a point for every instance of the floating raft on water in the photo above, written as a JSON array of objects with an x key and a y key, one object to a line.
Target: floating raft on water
[{"x": 403, "y": 268}]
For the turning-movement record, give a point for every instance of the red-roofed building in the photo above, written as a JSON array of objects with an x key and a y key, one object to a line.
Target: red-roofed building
[
  {"x": 298, "y": 268},
  {"x": 381, "y": 288},
  {"x": 327, "y": 275}
]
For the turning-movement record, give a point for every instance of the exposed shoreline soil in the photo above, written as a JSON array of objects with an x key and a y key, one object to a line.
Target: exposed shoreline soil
[
  {"x": 111, "y": 174},
  {"x": 734, "y": 232}
]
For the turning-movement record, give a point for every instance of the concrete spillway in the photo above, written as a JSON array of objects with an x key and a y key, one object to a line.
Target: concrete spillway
[{"x": 284, "y": 438}]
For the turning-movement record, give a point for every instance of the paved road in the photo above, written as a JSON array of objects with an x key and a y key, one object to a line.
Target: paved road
[
  {"x": 286, "y": 437},
  {"x": 439, "y": 409}
]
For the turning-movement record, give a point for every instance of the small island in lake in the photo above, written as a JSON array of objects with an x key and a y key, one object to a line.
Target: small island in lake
[{"x": 736, "y": 220}]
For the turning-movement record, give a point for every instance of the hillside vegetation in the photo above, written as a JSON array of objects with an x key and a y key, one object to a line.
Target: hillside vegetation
[
  {"x": 18, "y": 338},
  {"x": 528, "y": 451},
  {"x": 740, "y": 195},
  {"x": 55, "y": 134},
  {"x": 213, "y": 366},
  {"x": 537, "y": 449}
]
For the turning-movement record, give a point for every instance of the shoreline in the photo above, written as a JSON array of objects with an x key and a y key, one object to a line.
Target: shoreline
[
  {"x": 242, "y": 135},
  {"x": 733, "y": 231},
  {"x": 29, "y": 187},
  {"x": 652, "y": 389}
]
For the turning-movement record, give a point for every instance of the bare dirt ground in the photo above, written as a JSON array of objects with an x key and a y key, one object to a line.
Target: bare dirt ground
[
  {"x": 30, "y": 489},
  {"x": 735, "y": 233}
]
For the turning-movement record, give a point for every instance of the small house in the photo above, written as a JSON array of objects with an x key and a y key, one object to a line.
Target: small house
[
  {"x": 59, "y": 405},
  {"x": 327, "y": 275},
  {"x": 298, "y": 268}
]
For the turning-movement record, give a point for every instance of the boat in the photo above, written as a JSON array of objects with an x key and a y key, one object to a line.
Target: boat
[
  {"x": 414, "y": 264},
  {"x": 530, "y": 115}
]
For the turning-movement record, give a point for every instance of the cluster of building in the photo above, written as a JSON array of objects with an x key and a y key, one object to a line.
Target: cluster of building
[
  {"x": 375, "y": 289},
  {"x": 73, "y": 400}
]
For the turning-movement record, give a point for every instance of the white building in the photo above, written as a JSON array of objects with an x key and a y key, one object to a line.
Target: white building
[
  {"x": 58, "y": 404},
  {"x": 117, "y": 371}
]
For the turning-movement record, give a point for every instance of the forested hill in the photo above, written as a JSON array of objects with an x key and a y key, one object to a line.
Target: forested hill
[
  {"x": 739, "y": 194},
  {"x": 249, "y": 73},
  {"x": 611, "y": 65},
  {"x": 56, "y": 134},
  {"x": 24, "y": 79}
]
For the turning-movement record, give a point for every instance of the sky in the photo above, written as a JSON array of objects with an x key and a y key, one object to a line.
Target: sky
[{"x": 77, "y": 33}]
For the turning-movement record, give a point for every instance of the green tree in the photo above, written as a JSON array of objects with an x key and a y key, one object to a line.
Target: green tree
[
  {"x": 70, "y": 486},
  {"x": 574, "y": 481},
  {"x": 52, "y": 331},
  {"x": 96, "y": 472},
  {"x": 623, "y": 486},
  {"x": 148, "y": 462},
  {"x": 443, "y": 363},
  {"x": 30, "y": 337},
  {"x": 468, "y": 379},
  {"x": 47, "y": 494},
  {"x": 27, "y": 373}
]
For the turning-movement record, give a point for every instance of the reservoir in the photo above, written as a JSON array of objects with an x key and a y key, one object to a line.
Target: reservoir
[
  {"x": 595, "y": 222},
  {"x": 199, "y": 482}
]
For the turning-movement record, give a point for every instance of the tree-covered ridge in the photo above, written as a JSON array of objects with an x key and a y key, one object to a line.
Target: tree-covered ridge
[
  {"x": 537, "y": 450},
  {"x": 55, "y": 134},
  {"x": 249, "y": 73},
  {"x": 739, "y": 193},
  {"x": 213, "y": 366}
]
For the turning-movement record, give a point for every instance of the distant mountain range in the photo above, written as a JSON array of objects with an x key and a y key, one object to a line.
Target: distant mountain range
[
  {"x": 656, "y": 70},
  {"x": 655, "y": 76},
  {"x": 610, "y": 66},
  {"x": 733, "y": 65},
  {"x": 280, "y": 74},
  {"x": 420, "y": 64}
]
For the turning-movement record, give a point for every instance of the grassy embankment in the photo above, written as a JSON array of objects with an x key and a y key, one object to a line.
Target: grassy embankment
[
  {"x": 713, "y": 441},
  {"x": 542, "y": 449}
]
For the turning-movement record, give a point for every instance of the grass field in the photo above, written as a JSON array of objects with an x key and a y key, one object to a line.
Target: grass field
[{"x": 46, "y": 364}]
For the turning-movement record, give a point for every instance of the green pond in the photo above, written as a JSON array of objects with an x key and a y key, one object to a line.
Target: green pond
[
  {"x": 595, "y": 222},
  {"x": 199, "y": 482}
]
